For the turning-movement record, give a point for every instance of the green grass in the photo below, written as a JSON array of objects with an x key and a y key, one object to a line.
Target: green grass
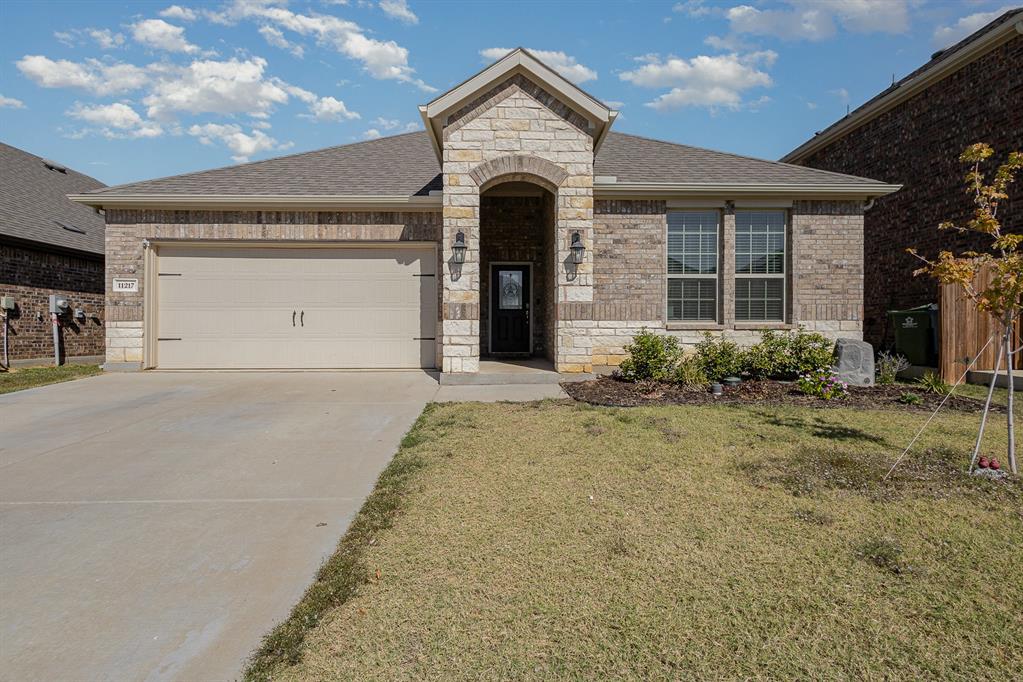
[
  {"x": 30, "y": 377},
  {"x": 559, "y": 540}
]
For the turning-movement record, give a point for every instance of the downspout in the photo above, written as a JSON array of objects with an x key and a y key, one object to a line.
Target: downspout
[{"x": 869, "y": 204}]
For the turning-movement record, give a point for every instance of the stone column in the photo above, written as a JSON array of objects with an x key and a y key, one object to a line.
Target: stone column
[
  {"x": 728, "y": 265},
  {"x": 460, "y": 314}
]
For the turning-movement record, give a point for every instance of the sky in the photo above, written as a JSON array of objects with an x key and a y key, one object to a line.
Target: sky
[{"x": 125, "y": 91}]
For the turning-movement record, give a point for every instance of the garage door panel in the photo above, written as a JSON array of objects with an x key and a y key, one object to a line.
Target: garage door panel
[{"x": 232, "y": 307}]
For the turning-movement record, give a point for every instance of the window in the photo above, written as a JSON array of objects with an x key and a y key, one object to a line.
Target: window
[
  {"x": 693, "y": 266},
  {"x": 760, "y": 266}
]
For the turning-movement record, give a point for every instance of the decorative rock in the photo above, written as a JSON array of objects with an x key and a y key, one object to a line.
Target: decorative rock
[
  {"x": 854, "y": 362},
  {"x": 993, "y": 474},
  {"x": 731, "y": 381}
]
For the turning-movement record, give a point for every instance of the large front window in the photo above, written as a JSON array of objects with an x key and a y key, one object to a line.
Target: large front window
[
  {"x": 692, "y": 266},
  {"x": 760, "y": 266}
]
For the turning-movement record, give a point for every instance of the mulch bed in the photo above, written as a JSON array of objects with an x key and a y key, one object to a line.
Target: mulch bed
[{"x": 614, "y": 392}]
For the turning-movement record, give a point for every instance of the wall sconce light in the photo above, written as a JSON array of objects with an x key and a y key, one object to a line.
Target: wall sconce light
[
  {"x": 459, "y": 248},
  {"x": 577, "y": 248}
]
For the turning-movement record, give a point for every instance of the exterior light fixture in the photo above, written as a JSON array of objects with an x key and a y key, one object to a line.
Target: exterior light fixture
[
  {"x": 577, "y": 248},
  {"x": 458, "y": 248}
]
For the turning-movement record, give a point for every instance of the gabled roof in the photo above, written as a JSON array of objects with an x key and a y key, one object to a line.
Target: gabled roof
[
  {"x": 402, "y": 171},
  {"x": 518, "y": 61},
  {"x": 942, "y": 64},
  {"x": 34, "y": 204}
]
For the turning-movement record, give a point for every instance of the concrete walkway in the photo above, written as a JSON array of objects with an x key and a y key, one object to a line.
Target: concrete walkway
[{"x": 154, "y": 526}]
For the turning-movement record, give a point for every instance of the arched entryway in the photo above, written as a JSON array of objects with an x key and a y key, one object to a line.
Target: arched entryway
[{"x": 518, "y": 265}]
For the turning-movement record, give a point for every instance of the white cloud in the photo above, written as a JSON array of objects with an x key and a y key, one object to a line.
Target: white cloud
[
  {"x": 217, "y": 87},
  {"x": 371, "y": 134},
  {"x": 841, "y": 93},
  {"x": 159, "y": 35},
  {"x": 564, "y": 64},
  {"x": 381, "y": 123},
  {"x": 387, "y": 123},
  {"x": 329, "y": 109},
  {"x": 242, "y": 145},
  {"x": 180, "y": 13},
  {"x": 399, "y": 9},
  {"x": 945, "y": 36},
  {"x": 11, "y": 103},
  {"x": 116, "y": 120},
  {"x": 385, "y": 60},
  {"x": 693, "y": 8},
  {"x": 709, "y": 81},
  {"x": 814, "y": 20},
  {"x": 96, "y": 77},
  {"x": 105, "y": 38},
  {"x": 276, "y": 38}
]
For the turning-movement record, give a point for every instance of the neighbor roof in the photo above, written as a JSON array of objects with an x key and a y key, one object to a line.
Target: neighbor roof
[
  {"x": 34, "y": 204},
  {"x": 404, "y": 168},
  {"x": 941, "y": 64}
]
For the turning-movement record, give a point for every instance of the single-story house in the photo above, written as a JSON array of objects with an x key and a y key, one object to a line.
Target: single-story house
[
  {"x": 49, "y": 246},
  {"x": 912, "y": 134},
  {"x": 517, "y": 224}
]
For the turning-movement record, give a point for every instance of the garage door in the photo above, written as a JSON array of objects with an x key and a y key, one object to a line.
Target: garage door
[{"x": 308, "y": 308}]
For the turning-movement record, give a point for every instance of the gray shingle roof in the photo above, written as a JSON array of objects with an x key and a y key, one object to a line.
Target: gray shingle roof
[
  {"x": 405, "y": 165},
  {"x": 33, "y": 203}
]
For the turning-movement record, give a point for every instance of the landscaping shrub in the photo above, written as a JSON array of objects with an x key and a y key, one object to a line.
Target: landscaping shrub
[
  {"x": 933, "y": 383},
  {"x": 823, "y": 384},
  {"x": 651, "y": 356},
  {"x": 690, "y": 373},
  {"x": 787, "y": 355},
  {"x": 720, "y": 358},
  {"x": 888, "y": 367},
  {"x": 908, "y": 398}
]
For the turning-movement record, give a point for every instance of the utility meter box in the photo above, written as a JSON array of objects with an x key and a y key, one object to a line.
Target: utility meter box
[
  {"x": 59, "y": 304},
  {"x": 7, "y": 302}
]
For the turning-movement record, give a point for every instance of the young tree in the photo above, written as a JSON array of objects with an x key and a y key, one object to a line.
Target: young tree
[{"x": 1001, "y": 297}]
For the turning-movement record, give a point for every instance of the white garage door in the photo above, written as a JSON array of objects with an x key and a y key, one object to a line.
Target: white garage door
[{"x": 314, "y": 308}]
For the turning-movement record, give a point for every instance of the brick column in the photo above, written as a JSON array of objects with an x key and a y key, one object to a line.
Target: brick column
[{"x": 728, "y": 265}]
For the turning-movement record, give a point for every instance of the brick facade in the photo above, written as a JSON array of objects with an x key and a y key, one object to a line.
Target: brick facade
[
  {"x": 916, "y": 143},
  {"x": 30, "y": 276}
]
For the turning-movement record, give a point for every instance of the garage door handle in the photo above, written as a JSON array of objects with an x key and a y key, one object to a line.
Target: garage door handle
[
  {"x": 292, "y": 318},
  {"x": 302, "y": 318}
]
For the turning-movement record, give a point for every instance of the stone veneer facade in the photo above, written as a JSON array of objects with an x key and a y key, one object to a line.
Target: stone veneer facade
[{"x": 588, "y": 313}]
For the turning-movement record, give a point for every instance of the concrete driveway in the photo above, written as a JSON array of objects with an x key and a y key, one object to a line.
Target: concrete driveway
[{"x": 154, "y": 526}]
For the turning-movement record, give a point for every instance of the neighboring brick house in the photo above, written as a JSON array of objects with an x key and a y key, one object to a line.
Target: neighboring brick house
[
  {"x": 516, "y": 225},
  {"x": 49, "y": 245},
  {"x": 912, "y": 134}
]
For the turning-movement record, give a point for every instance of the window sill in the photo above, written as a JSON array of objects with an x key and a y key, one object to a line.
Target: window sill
[
  {"x": 753, "y": 326},
  {"x": 694, "y": 326}
]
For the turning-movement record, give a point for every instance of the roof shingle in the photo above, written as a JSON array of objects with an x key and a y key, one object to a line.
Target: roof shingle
[
  {"x": 34, "y": 203},
  {"x": 405, "y": 165}
]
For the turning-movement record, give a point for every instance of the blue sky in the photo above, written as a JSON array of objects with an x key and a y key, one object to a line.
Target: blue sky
[{"x": 126, "y": 91}]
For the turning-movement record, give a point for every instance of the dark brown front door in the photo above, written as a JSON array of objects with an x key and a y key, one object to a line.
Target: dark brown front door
[{"x": 509, "y": 309}]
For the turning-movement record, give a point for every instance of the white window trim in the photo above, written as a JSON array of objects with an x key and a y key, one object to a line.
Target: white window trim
[
  {"x": 784, "y": 275},
  {"x": 678, "y": 275}
]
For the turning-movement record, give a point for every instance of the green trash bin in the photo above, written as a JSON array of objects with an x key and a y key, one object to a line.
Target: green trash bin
[{"x": 916, "y": 334}]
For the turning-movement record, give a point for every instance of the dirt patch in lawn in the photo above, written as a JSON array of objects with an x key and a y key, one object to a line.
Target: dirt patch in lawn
[{"x": 614, "y": 392}]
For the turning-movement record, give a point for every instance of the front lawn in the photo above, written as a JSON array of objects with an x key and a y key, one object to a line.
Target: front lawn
[
  {"x": 18, "y": 379},
  {"x": 557, "y": 539}
]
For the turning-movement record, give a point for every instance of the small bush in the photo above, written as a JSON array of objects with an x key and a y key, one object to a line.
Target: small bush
[
  {"x": 786, "y": 355},
  {"x": 909, "y": 398},
  {"x": 933, "y": 383},
  {"x": 690, "y": 373},
  {"x": 888, "y": 367},
  {"x": 651, "y": 356},
  {"x": 823, "y": 384},
  {"x": 720, "y": 358}
]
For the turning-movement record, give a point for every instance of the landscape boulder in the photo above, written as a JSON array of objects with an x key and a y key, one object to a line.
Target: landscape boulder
[{"x": 854, "y": 362}]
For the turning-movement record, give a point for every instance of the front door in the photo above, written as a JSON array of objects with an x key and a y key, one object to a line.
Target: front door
[{"x": 509, "y": 309}]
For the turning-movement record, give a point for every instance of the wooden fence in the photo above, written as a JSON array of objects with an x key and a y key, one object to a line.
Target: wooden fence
[{"x": 964, "y": 330}]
